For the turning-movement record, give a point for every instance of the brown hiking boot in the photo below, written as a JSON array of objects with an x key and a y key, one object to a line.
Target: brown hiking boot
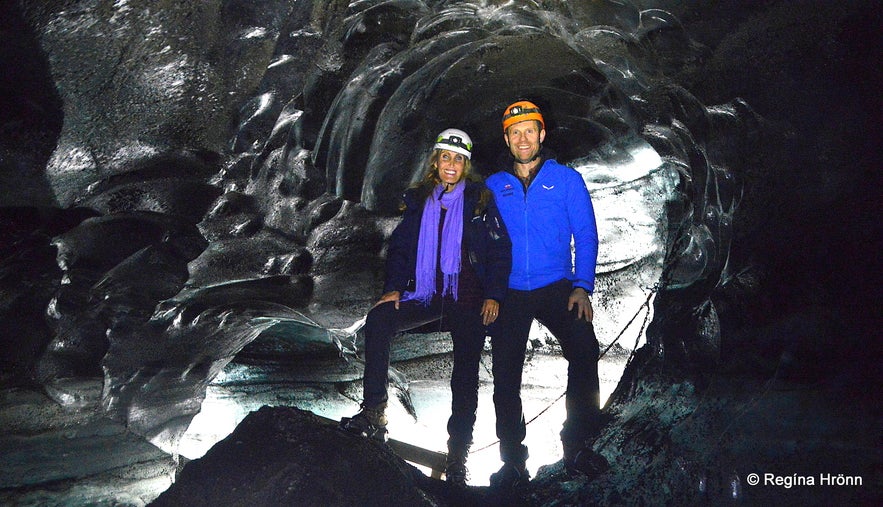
[{"x": 370, "y": 422}]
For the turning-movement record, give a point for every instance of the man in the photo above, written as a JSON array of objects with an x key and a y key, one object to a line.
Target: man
[{"x": 545, "y": 205}]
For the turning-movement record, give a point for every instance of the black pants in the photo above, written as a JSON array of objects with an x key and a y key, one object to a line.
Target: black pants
[
  {"x": 509, "y": 336},
  {"x": 468, "y": 334}
]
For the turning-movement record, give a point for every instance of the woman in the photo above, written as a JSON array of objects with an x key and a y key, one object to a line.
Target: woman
[{"x": 448, "y": 260}]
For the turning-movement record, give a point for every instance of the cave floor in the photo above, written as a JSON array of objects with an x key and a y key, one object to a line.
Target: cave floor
[
  {"x": 67, "y": 453},
  {"x": 58, "y": 449}
]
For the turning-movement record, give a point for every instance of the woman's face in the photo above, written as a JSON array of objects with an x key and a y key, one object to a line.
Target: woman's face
[{"x": 451, "y": 166}]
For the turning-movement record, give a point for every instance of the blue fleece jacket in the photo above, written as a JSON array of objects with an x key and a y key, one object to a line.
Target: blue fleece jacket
[{"x": 542, "y": 222}]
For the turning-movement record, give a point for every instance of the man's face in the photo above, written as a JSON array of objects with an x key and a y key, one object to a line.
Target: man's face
[{"x": 524, "y": 139}]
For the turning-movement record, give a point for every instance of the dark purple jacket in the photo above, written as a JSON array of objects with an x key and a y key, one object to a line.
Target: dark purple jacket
[{"x": 487, "y": 244}]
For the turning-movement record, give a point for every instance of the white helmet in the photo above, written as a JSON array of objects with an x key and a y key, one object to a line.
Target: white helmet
[{"x": 454, "y": 140}]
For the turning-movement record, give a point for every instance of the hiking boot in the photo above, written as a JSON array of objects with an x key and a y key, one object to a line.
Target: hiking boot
[
  {"x": 456, "y": 472},
  {"x": 370, "y": 422},
  {"x": 584, "y": 461},
  {"x": 510, "y": 477}
]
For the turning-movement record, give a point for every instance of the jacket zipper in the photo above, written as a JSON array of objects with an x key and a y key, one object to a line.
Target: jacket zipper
[{"x": 526, "y": 236}]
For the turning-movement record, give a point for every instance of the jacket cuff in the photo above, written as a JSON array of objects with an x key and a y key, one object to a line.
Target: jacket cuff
[
  {"x": 496, "y": 296},
  {"x": 582, "y": 284}
]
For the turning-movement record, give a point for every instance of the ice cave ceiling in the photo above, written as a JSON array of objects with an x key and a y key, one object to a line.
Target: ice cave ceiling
[{"x": 187, "y": 188}]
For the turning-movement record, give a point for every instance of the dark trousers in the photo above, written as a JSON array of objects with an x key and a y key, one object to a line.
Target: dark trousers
[
  {"x": 467, "y": 333},
  {"x": 509, "y": 336}
]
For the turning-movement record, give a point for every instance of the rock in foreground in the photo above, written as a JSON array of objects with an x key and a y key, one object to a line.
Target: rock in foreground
[{"x": 286, "y": 456}]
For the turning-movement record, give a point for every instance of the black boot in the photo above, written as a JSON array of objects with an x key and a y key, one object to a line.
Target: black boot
[
  {"x": 456, "y": 472},
  {"x": 513, "y": 474},
  {"x": 510, "y": 477},
  {"x": 370, "y": 422}
]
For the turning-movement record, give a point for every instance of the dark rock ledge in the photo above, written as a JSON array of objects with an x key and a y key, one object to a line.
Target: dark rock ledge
[{"x": 287, "y": 456}]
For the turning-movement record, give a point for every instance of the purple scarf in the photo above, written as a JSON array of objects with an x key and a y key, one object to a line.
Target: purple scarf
[{"x": 427, "y": 243}]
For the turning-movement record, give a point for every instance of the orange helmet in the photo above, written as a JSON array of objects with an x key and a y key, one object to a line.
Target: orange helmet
[{"x": 521, "y": 111}]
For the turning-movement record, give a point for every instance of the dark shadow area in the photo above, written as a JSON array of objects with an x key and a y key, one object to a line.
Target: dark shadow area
[{"x": 31, "y": 113}]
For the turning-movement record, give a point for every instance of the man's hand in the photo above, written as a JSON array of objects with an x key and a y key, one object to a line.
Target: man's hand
[
  {"x": 489, "y": 311},
  {"x": 390, "y": 296},
  {"x": 580, "y": 298}
]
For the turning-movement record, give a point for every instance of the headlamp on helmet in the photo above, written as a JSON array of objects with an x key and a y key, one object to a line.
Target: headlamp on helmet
[
  {"x": 522, "y": 110},
  {"x": 454, "y": 140}
]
